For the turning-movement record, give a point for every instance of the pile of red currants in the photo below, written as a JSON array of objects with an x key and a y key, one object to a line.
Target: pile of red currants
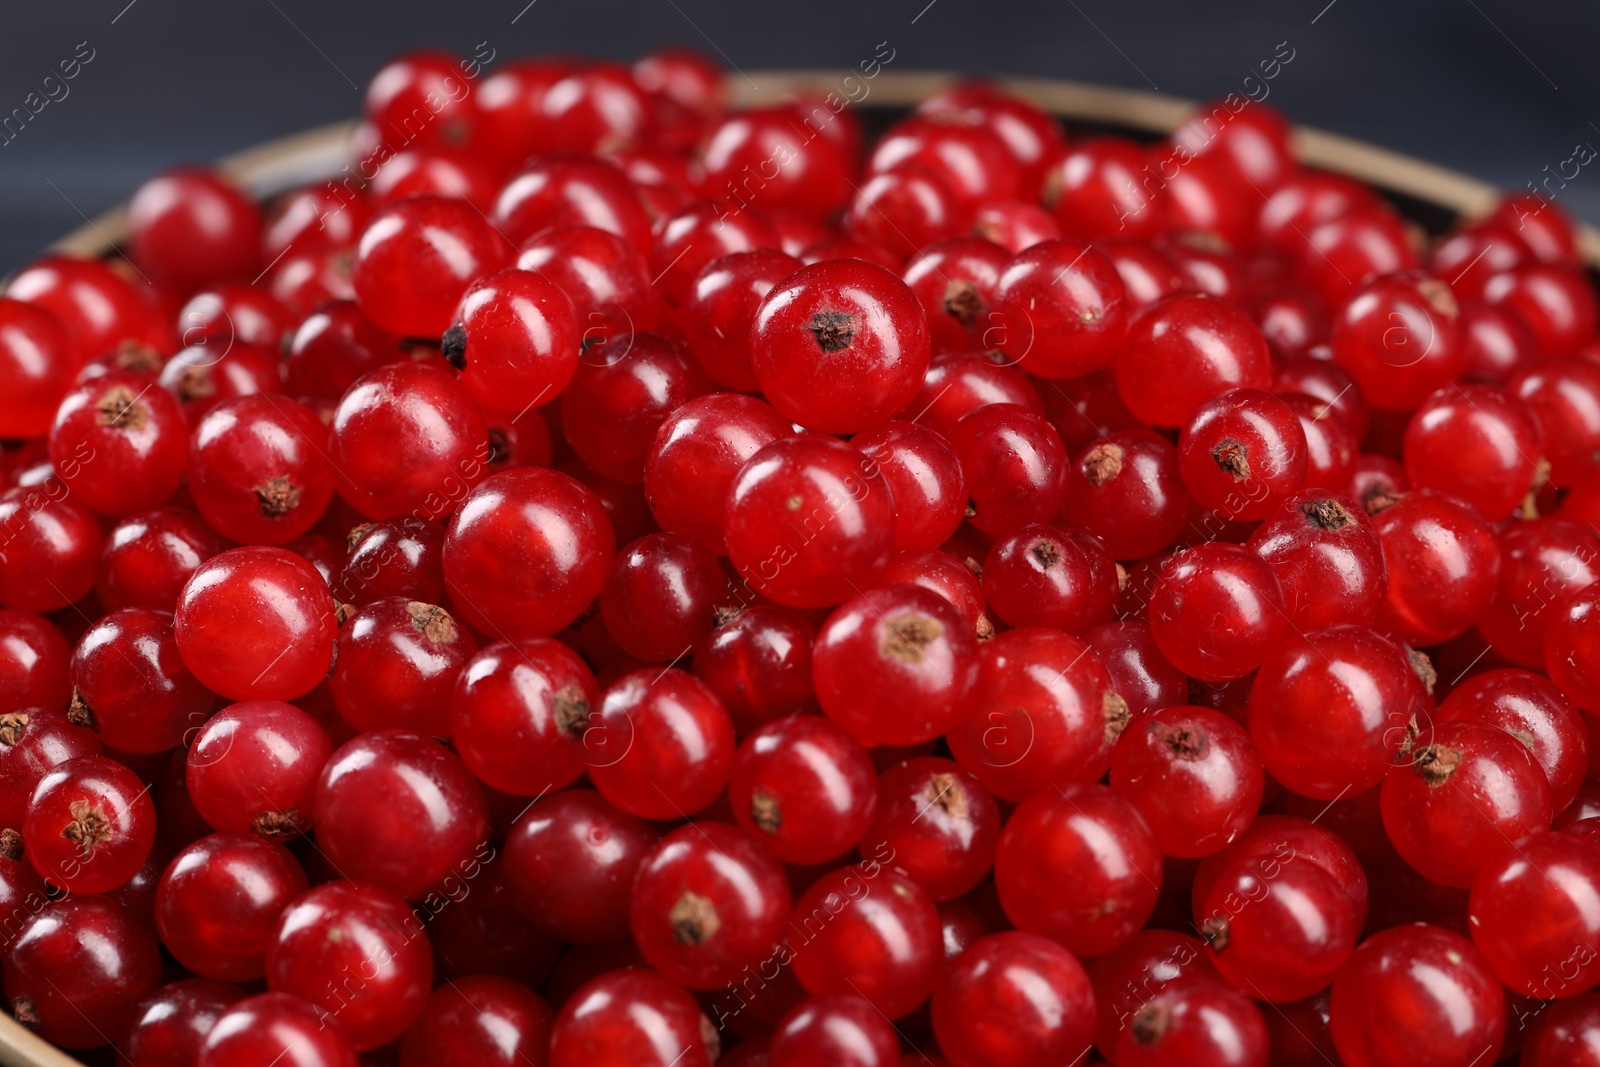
[{"x": 615, "y": 581}]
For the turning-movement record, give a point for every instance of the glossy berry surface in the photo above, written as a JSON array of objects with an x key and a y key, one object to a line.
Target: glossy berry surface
[
  {"x": 90, "y": 825},
  {"x": 1217, "y": 611},
  {"x": 218, "y": 901},
  {"x": 1194, "y": 775},
  {"x": 804, "y": 788},
  {"x": 1182, "y": 351},
  {"x": 659, "y": 744},
  {"x": 1013, "y": 999},
  {"x": 253, "y": 768},
  {"x": 416, "y": 259}
]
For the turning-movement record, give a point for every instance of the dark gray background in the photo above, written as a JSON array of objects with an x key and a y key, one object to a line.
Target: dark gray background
[{"x": 1498, "y": 88}]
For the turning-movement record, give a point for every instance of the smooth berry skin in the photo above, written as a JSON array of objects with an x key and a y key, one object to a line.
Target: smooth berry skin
[
  {"x": 332, "y": 347},
  {"x": 867, "y": 929},
  {"x": 394, "y": 558},
  {"x": 1203, "y": 1021},
  {"x": 37, "y": 362},
  {"x": 1015, "y": 467},
  {"x": 258, "y": 469},
  {"x": 1216, "y": 611},
  {"x": 571, "y": 860},
  {"x": 398, "y": 811},
  {"x": 35, "y": 662},
  {"x": 256, "y": 623},
  {"x": 341, "y": 928},
  {"x": 1328, "y": 558},
  {"x": 191, "y": 226},
  {"x": 1044, "y": 576},
  {"x": 32, "y": 742},
  {"x": 571, "y": 191},
  {"x": 1476, "y": 442},
  {"x": 954, "y": 280},
  {"x": 692, "y": 237},
  {"x": 120, "y": 442},
  {"x": 662, "y": 596},
  {"x": 1530, "y": 915},
  {"x": 809, "y": 520},
  {"x": 52, "y": 545},
  {"x": 1330, "y": 710},
  {"x": 148, "y": 557},
  {"x": 1555, "y": 303},
  {"x": 938, "y": 822},
  {"x": 515, "y": 340},
  {"x": 1564, "y": 396},
  {"x": 624, "y": 389},
  {"x": 396, "y": 664},
  {"x": 708, "y": 902},
  {"x": 1398, "y": 336},
  {"x": 1183, "y": 351},
  {"x": 895, "y": 666},
  {"x": 1059, "y": 310},
  {"x": 81, "y": 965},
  {"x": 90, "y": 825},
  {"x": 804, "y": 788},
  {"x": 839, "y": 346},
  {"x": 604, "y": 275},
  {"x": 1242, "y": 453},
  {"x": 1572, "y": 654},
  {"x": 1139, "y": 673},
  {"x": 1046, "y": 714},
  {"x": 1013, "y": 1000},
  {"x": 839, "y": 1029},
  {"x": 941, "y": 572},
  {"x": 722, "y": 305},
  {"x": 759, "y": 664},
  {"x": 1415, "y": 992},
  {"x": 234, "y": 311},
  {"x": 812, "y": 182},
  {"x": 1194, "y": 775},
  {"x": 419, "y": 411},
  {"x": 1126, "y": 489},
  {"x": 203, "y": 376},
  {"x": 698, "y": 451},
  {"x": 1534, "y": 711},
  {"x": 130, "y": 682},
  {"x": 925, "y": 479},
  {"x": 1056, "y": 876},
  {"x": 526, "y": 552},
  {"x": 1126, "y": 978},
  {"x": 276, "y": 1028},
  {"x": 169, "y": 1026},
  {"x": 416, "y": 259},
  {"x": 520, "y": 713},
  {"x": 903, "y": 211},
  {"x": 632, "y": 1018},
  {"x": 660, "y": 744},
  {"x": 1443, "y": 562},
  {"x": 218, "y": 901},
  {"x": 481, "y": 1019},
  {"x": 1463, "y": 790},
  {"x": 1541, "y": 563},
  {"x": 253, "y": 768}
]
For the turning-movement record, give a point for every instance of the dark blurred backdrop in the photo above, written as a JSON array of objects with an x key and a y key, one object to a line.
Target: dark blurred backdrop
[{"x": 1498, "y": 88}]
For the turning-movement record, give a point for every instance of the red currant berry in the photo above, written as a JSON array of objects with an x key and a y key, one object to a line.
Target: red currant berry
[
  {"x": 1443, "y": 562},
  {"x": 526, "y": 552},
  {"x": 1531, "y": 709},
  {"x": 395, "y": 558},
  {"x": 1462, "y": 791},
  {"x": 1126, "y": 489},
  {"x": 1556, "y": 304},
  {"x": 1216, "y": 611},
  {"x": 1060, "y": 310},
  {"x": 660, "y": 745},
  {"x": 482, "y": 1019},
  {"x": 520, "y": 713},
  {"x": 90, "y": 825},
  {"x": 1080, "y": 866},
  {"x": 759, "y": 663},
  {"x": 839, "y": 1029},
  {"x": 514, "y": 339},
  {"x": 1329, "y": 560},
  {"x": 257, "y": 623},
  {"x": 219, "y": 900},
  {"x": 1242, "y": 453},
  {"x": 1042, "y": 576},
  {"x": 1013, "y": 1000},
  {"x": 258, "y": 469},
  {"x": 1202, "y": 1021},
  {"x": 417, "y": 258},
  {"x": 121, "y": 442},
  {"x": 971, "y": 159},
  {"x": 624, "y": 389},
  {"x": 253, "y": 768},
  {"x": 1194, "y": 775},
  {"x": 1015, "y": 467},
  {"x": 925, "y": 479},
  {"x": 131, "y": 686},
  {"x": 708, "y": 904},
  {"x": 1541, "y": 563},
  {"x": 869, "y": 930},
  {"x": 340, "y": 930},
  {"x": 1477, "y": 442},
  {"x": 52, "y": 544},
  {"x": 170, "y": 1025},
  {"x": 839, "y": 346},
  {"x": 938, "y": 823},
  {"x": 804, "y": 788},
  {"x": 1530, "y": 917},
  {"x": 191, "y": 226},
  {"x": 1126, "y": 978},
  {"x": 77, "y": 970},
  {"x": 1417, "y": 991},
  {"x": 148, "y": 558},
  {"x": 632, "y": 1018},
  {"x": 395, "y": 665},
  {"x": 1183, "y": 351},
  {"x": 35, "y": 662},
  {"x": 98, "y": 307}
]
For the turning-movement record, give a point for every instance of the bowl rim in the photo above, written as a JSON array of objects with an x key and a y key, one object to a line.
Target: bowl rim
[{"x": 281, "y": 164}]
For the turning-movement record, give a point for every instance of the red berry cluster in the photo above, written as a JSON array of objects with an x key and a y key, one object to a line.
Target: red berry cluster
[{"x": 630, "y": 582}]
